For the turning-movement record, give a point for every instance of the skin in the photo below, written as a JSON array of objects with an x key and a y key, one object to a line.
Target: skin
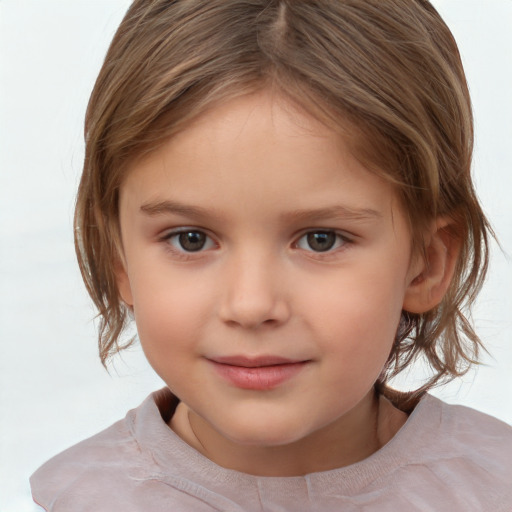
[{"x": 256, "y": 176}]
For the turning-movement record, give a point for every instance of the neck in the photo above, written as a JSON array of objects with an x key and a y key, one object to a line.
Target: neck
[{"x": 349, "y": 439}]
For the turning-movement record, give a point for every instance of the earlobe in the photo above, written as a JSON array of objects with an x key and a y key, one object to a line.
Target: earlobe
[{"x": 429, "y": 284}]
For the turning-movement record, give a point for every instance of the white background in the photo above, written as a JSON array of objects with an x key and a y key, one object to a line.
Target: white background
[{"x": 53, "y": 389}]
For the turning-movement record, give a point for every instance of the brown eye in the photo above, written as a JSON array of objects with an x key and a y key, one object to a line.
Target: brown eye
[
  {"x": 321, "y": 241},
  {"x": 190, "y": 241}
]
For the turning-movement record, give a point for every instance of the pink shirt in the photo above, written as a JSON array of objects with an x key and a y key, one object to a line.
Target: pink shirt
[{"x": 445, "y": 458}]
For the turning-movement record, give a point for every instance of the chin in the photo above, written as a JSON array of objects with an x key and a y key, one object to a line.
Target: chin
[{"x": 265, "y": 434}]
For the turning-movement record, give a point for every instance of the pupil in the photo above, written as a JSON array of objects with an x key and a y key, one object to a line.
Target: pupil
[
  {"x": 192, "y": 240},
  {"x": 321, "y": 241}
]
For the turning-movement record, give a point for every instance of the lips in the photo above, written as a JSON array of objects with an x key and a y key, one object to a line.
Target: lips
[
  {"x": 257, "y": 373},
  {"x": 254, "y": 362}
]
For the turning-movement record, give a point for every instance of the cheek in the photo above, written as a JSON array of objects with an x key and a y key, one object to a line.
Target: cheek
[
  {"x": 358, "y": 312},
  {"x": 356, "y": 294},
  {"x": 170, "y": 314},
  {"x": 168, "y": 325}
]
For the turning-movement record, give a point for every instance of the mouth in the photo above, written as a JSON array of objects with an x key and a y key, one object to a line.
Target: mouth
[{"x": 257, "y": 373}]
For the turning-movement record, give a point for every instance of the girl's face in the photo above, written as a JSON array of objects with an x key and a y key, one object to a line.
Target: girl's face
[{"x": 267, "y": 270}]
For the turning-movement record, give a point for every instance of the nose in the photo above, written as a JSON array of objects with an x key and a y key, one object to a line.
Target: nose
[{"x": 253, "y": 293}]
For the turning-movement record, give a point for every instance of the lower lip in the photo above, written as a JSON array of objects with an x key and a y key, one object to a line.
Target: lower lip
[{"x": 259, "y": 378}]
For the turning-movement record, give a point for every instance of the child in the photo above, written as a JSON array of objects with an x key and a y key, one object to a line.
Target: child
[{"x": 279, "y": 193}]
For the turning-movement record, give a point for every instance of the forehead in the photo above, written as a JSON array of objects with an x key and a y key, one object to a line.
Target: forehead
[{"x": 257, "y": 152}]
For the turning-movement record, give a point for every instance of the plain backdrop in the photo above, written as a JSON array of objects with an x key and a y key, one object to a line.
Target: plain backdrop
[{"x": 53, "y": 389}]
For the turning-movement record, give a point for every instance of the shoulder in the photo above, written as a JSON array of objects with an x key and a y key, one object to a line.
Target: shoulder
[
  {"x": 92, "y": 462},
  {"x": 453, "y": 447},
  {"x": 463, "y": 414},
  {"x": 137, "y": 464},
  {"x": 473, "y": 431},
  {"x": 105, "y": 472}
]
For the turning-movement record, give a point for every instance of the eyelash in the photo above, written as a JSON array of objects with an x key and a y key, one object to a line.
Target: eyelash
[
  {"x": 181, "y": 251},
  {"x": 340, "y": 242}
]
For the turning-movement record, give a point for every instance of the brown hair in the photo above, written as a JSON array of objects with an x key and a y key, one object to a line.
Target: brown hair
[{"x": 389, "y": 70}]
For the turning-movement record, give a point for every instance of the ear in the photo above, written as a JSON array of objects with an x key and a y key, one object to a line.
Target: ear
[
  {"x": 433, "y": 270},
  {"x": 123, "y": 282}
]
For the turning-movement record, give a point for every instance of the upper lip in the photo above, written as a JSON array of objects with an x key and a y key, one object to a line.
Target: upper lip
[{"x": 254, "y": 362}]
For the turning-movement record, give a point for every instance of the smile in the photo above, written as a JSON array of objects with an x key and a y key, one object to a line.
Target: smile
[{"x": 262, "y": 373}]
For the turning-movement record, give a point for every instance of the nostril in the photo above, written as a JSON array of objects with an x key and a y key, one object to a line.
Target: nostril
[{"x": 251, "y": 315}]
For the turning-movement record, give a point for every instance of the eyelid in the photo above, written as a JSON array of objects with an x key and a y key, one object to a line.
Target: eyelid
[
  {"x": 171, "y": 233},
  {"x": 346, "y": 238},
  {"x": 341, "y": 235}
]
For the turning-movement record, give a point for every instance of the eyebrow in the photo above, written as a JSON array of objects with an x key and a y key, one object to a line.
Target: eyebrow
[
  {"x": 314, "y": 214},
  {"x": 173, "y": 207},
  {"x": 334, "y": 212}
]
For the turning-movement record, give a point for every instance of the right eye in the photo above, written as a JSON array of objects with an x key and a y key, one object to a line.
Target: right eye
[
  {"x": 190, "y": 240},
  {"x": 322, "y": 241}
]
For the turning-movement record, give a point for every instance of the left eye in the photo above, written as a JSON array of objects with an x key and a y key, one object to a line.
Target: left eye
[
  {"x": 190, "y": 241},
  {"x": 321, "y": 241}
]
